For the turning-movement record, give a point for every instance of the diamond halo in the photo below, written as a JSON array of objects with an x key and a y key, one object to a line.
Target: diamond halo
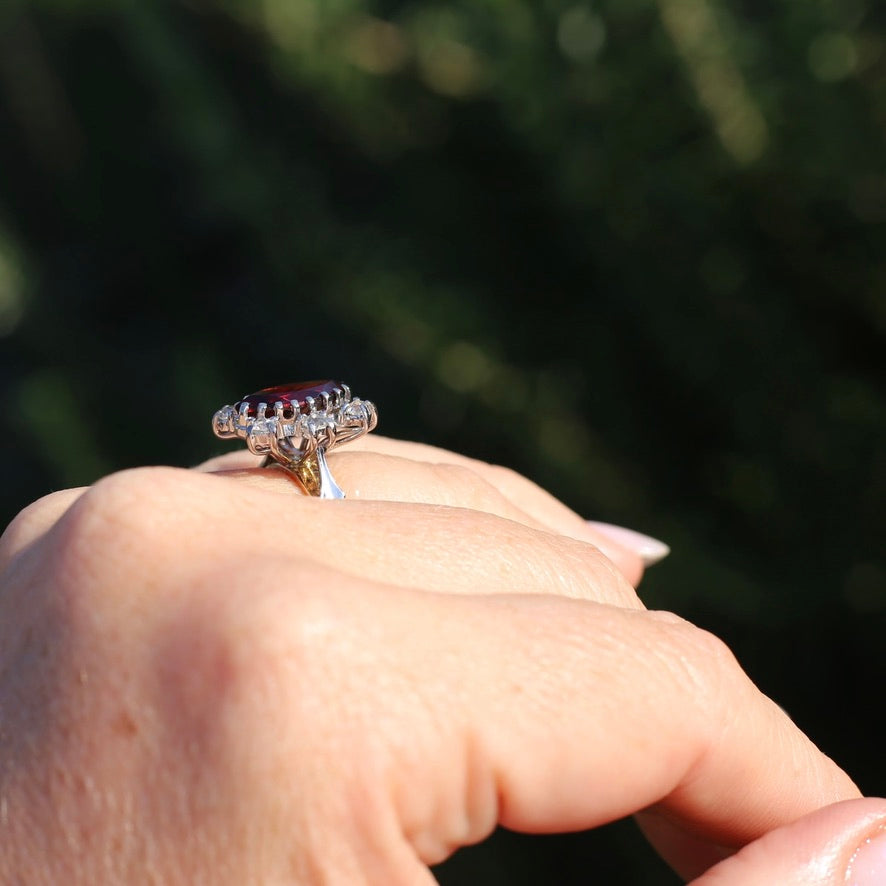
[{"x": 295, "y": 425}]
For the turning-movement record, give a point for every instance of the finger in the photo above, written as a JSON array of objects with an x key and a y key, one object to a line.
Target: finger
[
  {"x": 841, "y": 845},
  {"x": 525, "y": 494},
  {"x": 487, "y": 549},
  {"x": 570, "y": 714},
  {"x": 375, "y": 477},
  {"x": 395, "y": 470},
  {"x": 428, "y": 547},
  {"x": 380, "y": 476},
  {"x": 241, "y": 460},
  {"x": 528, "y": 496}
]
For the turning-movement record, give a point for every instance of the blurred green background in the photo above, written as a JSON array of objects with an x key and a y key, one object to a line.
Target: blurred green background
[{"x": 633, "y": 248}]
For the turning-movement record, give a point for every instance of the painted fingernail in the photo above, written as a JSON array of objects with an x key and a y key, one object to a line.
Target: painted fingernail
[
  {"x": 868, "y": 865},
  {"x": 649, "y": 550}
]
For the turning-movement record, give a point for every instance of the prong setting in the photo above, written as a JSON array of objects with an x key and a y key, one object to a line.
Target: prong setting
[{"x": 296, "y": 425}]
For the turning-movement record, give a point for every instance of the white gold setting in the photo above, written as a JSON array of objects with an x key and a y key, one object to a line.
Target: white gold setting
[{"x": 297, "y": 433}]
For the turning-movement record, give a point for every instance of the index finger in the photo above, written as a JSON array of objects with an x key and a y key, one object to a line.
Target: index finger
[{"x": 573, "y": 714}]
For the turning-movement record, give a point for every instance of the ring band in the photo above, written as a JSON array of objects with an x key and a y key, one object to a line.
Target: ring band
[{"x": 295, "y": 426}]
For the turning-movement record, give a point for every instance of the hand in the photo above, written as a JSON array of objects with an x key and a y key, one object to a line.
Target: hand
[{"x": 207, "y": 678}]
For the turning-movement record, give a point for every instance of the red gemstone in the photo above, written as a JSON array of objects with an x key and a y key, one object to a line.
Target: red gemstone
[{"x": 294, "y": 397}]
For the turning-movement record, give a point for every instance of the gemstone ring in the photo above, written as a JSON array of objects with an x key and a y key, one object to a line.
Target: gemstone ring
[{"x": 296, "y": 425}]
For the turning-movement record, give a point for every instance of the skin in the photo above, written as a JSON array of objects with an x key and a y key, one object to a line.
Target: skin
[{"x": 208, "y": 677}]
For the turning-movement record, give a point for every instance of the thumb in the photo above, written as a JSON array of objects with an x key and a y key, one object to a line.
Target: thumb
[{"x": 840, "y": 845}]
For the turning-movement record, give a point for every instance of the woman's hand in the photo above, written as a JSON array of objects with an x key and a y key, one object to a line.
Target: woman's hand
[{"x": 207, "y": 677}]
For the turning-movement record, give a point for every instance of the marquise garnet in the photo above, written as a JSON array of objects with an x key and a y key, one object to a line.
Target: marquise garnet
[{"x": 294, "y": 397}]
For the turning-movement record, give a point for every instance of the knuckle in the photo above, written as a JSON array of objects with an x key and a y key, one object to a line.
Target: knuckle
[
  {"x": 29, "y": 523},
  {"x": 705, "y": 665},
  {"x": 122, "y": 512},
  {"x": 117, "y": 537},
  {"x": 260, "y": 659},
  {"x": 584, "y": 572},
  {"x": 277, "y": 696},
  {"x": 712, "y": 649}
]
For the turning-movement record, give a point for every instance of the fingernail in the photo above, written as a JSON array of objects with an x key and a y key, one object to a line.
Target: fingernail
[
  {"x": 868, "y": 866},
  {"x": 649, "y": 550}
]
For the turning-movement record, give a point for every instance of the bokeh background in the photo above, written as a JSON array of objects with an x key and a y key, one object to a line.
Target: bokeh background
[{"x": 633, "y": 248}]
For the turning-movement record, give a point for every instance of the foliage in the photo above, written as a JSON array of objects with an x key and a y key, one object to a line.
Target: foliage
[{"x": 634, "y": 249}]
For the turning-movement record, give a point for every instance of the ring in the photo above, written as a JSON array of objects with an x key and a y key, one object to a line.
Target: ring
[{"x": 296, "y": 425}]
